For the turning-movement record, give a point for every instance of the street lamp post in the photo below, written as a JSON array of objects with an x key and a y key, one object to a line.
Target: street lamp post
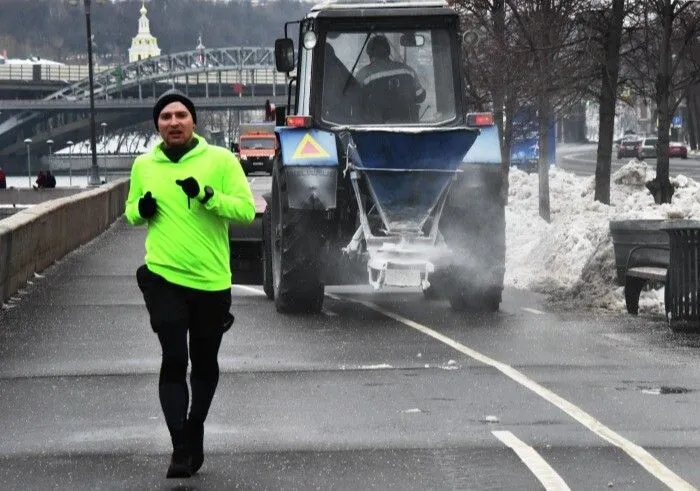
[
  {"x": 50, "y": 144},
  {"x": 28, "y": 142},
  {"x": 94, "y": 178},
  {"x": 70, "y": 162},
  {"x": 104, "y": 146}
]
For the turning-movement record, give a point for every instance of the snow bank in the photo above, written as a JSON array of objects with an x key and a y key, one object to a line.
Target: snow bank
[{"x": 571, "y": 259}]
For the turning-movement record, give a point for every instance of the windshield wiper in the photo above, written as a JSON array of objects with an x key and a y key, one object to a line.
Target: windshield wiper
[{"x": 357, "y": 60}]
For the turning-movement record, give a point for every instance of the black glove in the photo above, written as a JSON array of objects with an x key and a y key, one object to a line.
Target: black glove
[
  {"x": 147, "y": 205},
  {"x": 190, "y": 186}
]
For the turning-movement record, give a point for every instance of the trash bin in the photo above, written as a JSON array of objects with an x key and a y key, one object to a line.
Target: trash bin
[{"x": 682, "y": 302}]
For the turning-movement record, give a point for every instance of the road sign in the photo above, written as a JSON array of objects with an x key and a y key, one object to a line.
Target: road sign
[{"x": 677, "y": 121}]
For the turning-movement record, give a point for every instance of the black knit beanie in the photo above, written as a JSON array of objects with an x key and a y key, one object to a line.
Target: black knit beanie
[{"x": 169, "y": 96}]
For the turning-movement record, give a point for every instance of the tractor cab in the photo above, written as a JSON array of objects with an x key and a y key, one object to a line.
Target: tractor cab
[{"x": 392, "y": 63}]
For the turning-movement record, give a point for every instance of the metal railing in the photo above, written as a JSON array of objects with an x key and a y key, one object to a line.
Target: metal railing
[
  {"x": 82, "y": 162},
  {"x": 76, "y": 73},
  {"x": 53, "y": 73}
]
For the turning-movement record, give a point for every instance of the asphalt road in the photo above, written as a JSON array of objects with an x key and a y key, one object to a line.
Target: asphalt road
[
  {"x": 379, "y": 391},
  {"x": 581, "y": 159}
]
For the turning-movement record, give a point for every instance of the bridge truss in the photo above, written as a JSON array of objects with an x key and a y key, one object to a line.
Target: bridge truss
[
  {"x": 240, "y": 65},
  {"x": 244, "y": 67}
]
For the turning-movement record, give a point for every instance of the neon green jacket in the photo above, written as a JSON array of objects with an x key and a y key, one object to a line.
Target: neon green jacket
[{"x": 190, "y": 246}]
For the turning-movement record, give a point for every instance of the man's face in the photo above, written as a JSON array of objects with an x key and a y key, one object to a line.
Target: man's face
[{"x": 175, "y": 124}]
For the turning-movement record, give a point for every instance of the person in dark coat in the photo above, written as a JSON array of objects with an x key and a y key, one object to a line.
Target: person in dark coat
[
  {"x": 41, "y": 181},
  {"x": 50, "y": 180}
]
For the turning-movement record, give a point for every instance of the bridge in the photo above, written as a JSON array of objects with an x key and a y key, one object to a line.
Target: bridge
[{"x": 238, "y": 78}]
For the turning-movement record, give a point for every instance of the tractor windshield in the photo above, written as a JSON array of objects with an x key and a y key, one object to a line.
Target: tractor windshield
[{"x": 383, "y": 77}]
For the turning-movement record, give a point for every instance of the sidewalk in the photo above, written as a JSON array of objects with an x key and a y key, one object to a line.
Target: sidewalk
[
  {"x": 78, "y": 375},
  {"x": 79, "y": 402}
]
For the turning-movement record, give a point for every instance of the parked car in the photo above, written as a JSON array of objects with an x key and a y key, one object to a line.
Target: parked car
[
  {"x": 647, "y": 148},
  {"x": 677, "y": 149},
  {"x": 628, "y": 146}
]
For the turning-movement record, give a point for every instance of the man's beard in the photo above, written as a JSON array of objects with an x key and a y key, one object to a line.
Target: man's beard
[{"x": 183, "y": 144}]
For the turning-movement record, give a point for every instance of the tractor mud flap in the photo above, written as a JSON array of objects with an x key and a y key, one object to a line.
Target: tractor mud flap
[
  {"x": 246, "y": 252},
  {"x": 311, "y": 188}
]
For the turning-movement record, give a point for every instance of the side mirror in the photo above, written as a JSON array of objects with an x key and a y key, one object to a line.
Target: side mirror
[{"x": 284, "y": 55}]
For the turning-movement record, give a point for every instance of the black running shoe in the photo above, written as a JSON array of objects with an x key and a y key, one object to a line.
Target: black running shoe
[
  {"x": 195, "y": 441},
  {"x": 180, "y": 463}
]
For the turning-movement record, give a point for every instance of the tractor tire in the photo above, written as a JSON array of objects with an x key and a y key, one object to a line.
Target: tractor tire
[
  {"x": 431, "y": 293},
  {"x": 267, "y": 253},
  {"x": 473, "y": 278},
  {"x": 297, "y": 242},
  {"x": 436, "y": 290}
]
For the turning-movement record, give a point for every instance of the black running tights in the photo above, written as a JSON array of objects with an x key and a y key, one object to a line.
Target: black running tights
[{"x": 172, "y": 385}]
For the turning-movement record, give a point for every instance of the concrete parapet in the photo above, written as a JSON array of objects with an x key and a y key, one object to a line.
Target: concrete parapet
[
  {"x": 31, "y": 196},
  {"x": 34, "y": 238}
]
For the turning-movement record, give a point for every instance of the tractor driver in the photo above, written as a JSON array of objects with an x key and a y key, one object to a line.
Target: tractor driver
[{"x": 392, "y": 90}]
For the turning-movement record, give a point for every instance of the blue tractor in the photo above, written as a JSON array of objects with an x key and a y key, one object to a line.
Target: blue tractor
[{"x": 381, "y": 176}]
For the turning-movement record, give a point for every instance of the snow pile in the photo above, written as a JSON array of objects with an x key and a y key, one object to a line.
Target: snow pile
[
  {"x": 132, "y": 144},
  {"x": 571, "y": 259}
]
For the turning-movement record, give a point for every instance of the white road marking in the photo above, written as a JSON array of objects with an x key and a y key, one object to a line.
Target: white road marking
[
  {"x": 534, "y": 461},
  {"x": 381, "y": 366},
  {"x": 250, "y": 289},
  {"x": 533, "y": 311},
  {"x": 641, "y": 456}
]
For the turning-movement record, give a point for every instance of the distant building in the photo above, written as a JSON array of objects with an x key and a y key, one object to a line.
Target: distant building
[
  {"x": 32, "y": 60},
  {"x": 144, "y": 44}
]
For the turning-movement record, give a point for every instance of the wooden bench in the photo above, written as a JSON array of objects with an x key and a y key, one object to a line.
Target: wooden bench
[{"x": 639, "y": 274}]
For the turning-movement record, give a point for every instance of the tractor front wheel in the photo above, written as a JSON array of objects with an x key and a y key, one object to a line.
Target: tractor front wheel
[{"x": 297, "y": 242}]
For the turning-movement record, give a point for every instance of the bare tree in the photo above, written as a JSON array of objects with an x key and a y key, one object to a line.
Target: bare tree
[
  {"x": 128, "y": 138},
  {"x": 496, "y": 73},
  {"x": 607, "y": 24},
  {"x": 664, "y": 66},
  {"x": 552, "y": 40}
]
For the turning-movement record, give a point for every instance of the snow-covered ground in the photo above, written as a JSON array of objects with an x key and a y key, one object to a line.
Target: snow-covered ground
[
  {"x": 130, "y": 144},
  {"x": 571, "y": 259}
]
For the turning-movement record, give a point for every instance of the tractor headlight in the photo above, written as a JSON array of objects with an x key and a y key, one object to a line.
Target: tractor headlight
[{"x": 309, "y": 40}]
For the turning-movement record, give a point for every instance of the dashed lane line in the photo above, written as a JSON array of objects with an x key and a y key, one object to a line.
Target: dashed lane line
[
  {"x": 533, "y": 311},
  {"x": 534, "y": 461},
  {"x": 655, "y": 467},
  {"x": 636, "y": 452},
  {"x": 250, "y": 289}
]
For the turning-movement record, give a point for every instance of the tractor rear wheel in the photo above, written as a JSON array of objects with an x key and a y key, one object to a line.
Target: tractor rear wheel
[
  {"x": 474, "y": 277},
  {"x": 297, "y": 242}
]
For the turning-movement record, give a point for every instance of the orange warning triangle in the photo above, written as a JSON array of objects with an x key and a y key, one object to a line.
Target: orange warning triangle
[{"x": 309, "y": 148}]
